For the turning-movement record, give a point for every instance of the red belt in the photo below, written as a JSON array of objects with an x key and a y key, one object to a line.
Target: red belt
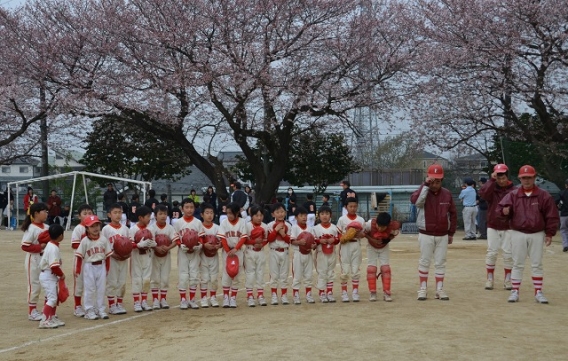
[
  {"x": 279, "y": 249},
  {"x": 253, "y": 248},
  {"x": 97, "y": 263}
]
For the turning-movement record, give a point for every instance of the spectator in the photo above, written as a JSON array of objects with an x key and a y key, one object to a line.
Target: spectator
[
  {"x": 211, "y": 197},
  {"x": 29, "y": 199},
  {"x": 53, "y": 206},
  {"x": 468, "y": 197},
  {"x": 250, "y": 192},
  {"x": 291, "y": 200},
  {"x": 482, "y": 212},
  {"x": 346, "y": 193},
  {"x": 562, "y": 204},
  {"x": 110, "y": 197},
  {"x": 241, "y": 198},
  {"x": 193, "y": 196}
]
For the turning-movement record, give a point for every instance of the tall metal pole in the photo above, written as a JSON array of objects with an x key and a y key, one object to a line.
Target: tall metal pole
[{"x": 44, "y": 149}]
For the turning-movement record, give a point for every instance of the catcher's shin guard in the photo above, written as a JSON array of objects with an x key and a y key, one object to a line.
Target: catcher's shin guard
[
  {"x": 372, "y": 278},
  {"x": 386, "y": 278}
]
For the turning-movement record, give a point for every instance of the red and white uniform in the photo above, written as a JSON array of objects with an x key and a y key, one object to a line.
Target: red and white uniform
[
  {"x": 377, "y": 256},
  {"x": 325, "y": 263},
  {"x": 50, "y": 265},
  {"x": 210, "y": 265},
  {"x": 350, "y": 255},
  {"x": 162, "y": 266},
  {"x": 118, "y": 269},
  {"x": 232, "y": 235},
  {"x": 279, "y": 261},
  {"x": 188, "y": 262},
  {"x": 255, "y": 259},
  {"x": 32, "y": 248},
  {"x": 302, "y": 264},
  {"x": 140, "y": 263},
  {"x": 93, "y": 253},
  {"x": 79, "y": 232}
]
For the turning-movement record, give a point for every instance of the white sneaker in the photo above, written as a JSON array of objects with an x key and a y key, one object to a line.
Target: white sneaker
[
  {"x": 323, "y": 298},
  {"x": 422, "y": 294},
  {"x": 137, "y": 307},
  {"x": 156, "y": 304},
  {"x": 146, "y": 306},
  {"x": 355, "y": 296},
  {"x": 213, "y": 301},
  {"x": 296, "y": 299},
  {"x": 441, "y": 295},
  {"x": 57, "y": 321},
  {"x": 387, "y": 297},
  {"x": 183, "y": 305},
  {"x": 103, "y": 315},
  {"x": 91, "y": 315},
  {"x": 274, "y": 299},
  {"x": 251, "y": 302},
  {"x": 164, "y": 304},
  {"x": 233, "y": 302},
  {"x": 514, "y": 296},
  {"x": 120, "y": 309},
  {"x": 373, "y": 297},
  {"x": 344, "y": 296},
  {"x": 539, "y": 297},
  {"x": 309, "y": 298},
  {"x": 113, "y": 310},
  {"x": 204, "y": 302},
  {"x": 489, "y": 285},
  {"x": 330, "y": 297},
  {"x": 49, "y": 323},
  {"x": 508, "y": 285},
  {"x": 226, "y": 303},
  {"x": 261, "y": 301},
  {"x": 35, "y": 315},
  {"x": 284, "y": 300},
  {"x": 79, "y": 312},
  {"x": 193, "y": 305}
]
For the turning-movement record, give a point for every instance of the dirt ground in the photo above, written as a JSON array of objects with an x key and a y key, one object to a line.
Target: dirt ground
[{"x": 474, "y": 325}]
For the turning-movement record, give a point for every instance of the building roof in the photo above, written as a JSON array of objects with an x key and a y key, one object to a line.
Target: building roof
[{"x": 24, "y": 160}]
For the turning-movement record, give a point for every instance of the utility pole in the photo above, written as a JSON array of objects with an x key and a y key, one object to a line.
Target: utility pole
[{"x": 44, "y": 149}]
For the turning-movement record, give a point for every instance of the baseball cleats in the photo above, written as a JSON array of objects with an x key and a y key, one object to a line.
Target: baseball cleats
[
  {"x": 422, "y": 294},
  {"x": 508, "y": 285},
  {"x": 274, "y": 299},
  {"x": 226, "y": 303},
  {"x": 514, "y": 296},
  {"x": 323, "y": 298},
  {"x": 104, "y": 315},
  {"x": 539, "y": 297},
  {"x": 91, "y": 315},
  {"x": 284, "y": 300},
  {"x": 330, "y": 297},
  {"x": 442, "y": 295},
  {"x": 193, "y": 305},
  {"x": 79, "y": 312},
  {"x": 387, "y": 297},
  {"x": 146, "y": 306},
  {"x": 355, "y": 296},
  {"x": 213, "y": 301},
  {"x": 489, "y": 285},
  {"x": 251, "y": 302},
  {"x": 156, "y": 304},
  {"x": 120, "y": 309},
  {"x": 373, "y": 297},
  {"x": 344, "y": 296},
  {"x": 164, "y": 304},
  {"x": 296, "y": 299},
  {"x": 35, "y": 315},
  {"x": 204, "y": 302},
  {"x": 309, "y": 298},
  {"x": 138, "y": 307},
  {"x": 49, "y": 323},
  {"x": 113, "y": 310},
  {"x": 261, "y": 301},
  {"x": 233, "y": 302},
  {"x": 58, "y": 322}
]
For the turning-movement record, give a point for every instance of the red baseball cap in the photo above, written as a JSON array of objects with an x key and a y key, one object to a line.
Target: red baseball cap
[
  {"x": 90, "y": 220},
  {"x": 435, "y": 171},
  {"x": 500, "y": 168},
  {"x": 527, "y": 171}
]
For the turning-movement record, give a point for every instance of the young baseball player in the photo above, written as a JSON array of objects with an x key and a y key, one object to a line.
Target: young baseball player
[
  {"x": 436, "y": 221},
  {"x": 79, "y": 232},
  {"x": 310, "y": 207},
  {"x": 118, "y": 268},
  {"x": 255, "y": 258},
  {"x": 379, "y": 232},
  {"x": 188, "y": 259},
  {"x": 93, "y": 261},
  {"x": 327, "y": 237},
  {"x": 233, "y": 235},
  {"x": 302, "y": 261},
  {"x": 162, "y": 259},
  {"x": 350, "y": 255},
  {"x": 33, "y": 226},
  {"x": 141, "y": 259},
  {"x": 279, "y": 242},
  {"x": 50, "y": 265},
  {"x": 209, "y": 257}
]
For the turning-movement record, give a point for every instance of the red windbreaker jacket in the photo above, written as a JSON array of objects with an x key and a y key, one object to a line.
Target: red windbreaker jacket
[
  {"x": 436, "y": 214},
  {"x": 493, "y": 194}
]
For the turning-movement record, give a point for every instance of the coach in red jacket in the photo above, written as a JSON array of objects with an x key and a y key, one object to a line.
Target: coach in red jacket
[
  {"x": 533, "y": 218},
  {"x": 436, "y": 221}
]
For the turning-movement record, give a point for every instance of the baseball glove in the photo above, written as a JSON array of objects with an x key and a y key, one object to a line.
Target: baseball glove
[
  {"x": 62, "y": 292},
  {"x": 350, "y": 232}
]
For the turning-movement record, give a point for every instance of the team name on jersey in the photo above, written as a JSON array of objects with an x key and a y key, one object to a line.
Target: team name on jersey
[{"x": 94, "y": 250}]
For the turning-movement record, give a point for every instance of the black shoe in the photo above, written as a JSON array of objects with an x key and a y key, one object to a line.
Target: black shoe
[
  {"x": 565, "y": 249},
  {"x": 482, "y": 237},
  {"x": 469, "y": 239}
]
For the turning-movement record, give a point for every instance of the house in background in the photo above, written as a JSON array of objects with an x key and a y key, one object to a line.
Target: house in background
[
  {"x": 65, "y": 161},
  {"x": 20, "y": 169},
  {"x": 470, "y": 166}
]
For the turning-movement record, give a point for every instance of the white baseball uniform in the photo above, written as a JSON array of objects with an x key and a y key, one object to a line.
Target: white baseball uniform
[
  {"x": 188, "y": 262},
  {"x": 279, "y": 261},
  {"x": 31, "y": 261},
  {"x": 375, "y": 256},
  {"x": 231, "y": 235},
  {"x": 140, "y": 263},
  {"x": 302, "y": 264},
  {"x": 350, "y": 255},
  {"x": 50, "y": 259},
  {"x": 118, "y": 270},
  {"x": 325, "y": 263},
  {"x": 255, "y": 259},
  {"x": 210, "y": 265},
  {"x": 93, "y": 252},
  {"x": 79, "y": 232},
  {"x": 162, "y": 266}
]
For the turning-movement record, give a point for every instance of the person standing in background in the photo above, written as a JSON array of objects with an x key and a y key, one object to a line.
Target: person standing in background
[
  {"x": 54, "y": 206},
  {"x": 562, "y": 204},
  {"x": 110, "y": 197},
  {"x": 482, "y": 212},
  {"x": 29, "y": 199},
  {"x": 468, "y": 197}
]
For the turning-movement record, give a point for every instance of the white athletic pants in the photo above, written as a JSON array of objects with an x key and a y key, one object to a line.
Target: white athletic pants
[
  {"x": 279, "y": 265},
  {"x": 160, "y": 276},
  {"x": 523, "y": 245},
  {"x": 209, "y": 272},
  {"x": 499, "y": 240},
  {"x": 302, "y": 269},
  {"x": 350, "y": 258},
  {"x": 254, "y": 268},
  {"x": 433, "y": 246},
  {"x": 116, "y": 278},
  {"x": 469, "y": 214},
  {"x": 94, "y": 282}
]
